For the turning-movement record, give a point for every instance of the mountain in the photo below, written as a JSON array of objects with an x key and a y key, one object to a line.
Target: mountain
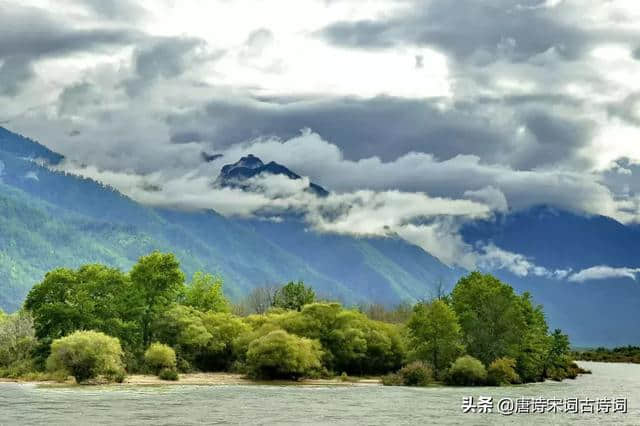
[
  {"x": 593, "y": 312},
  {"x": 51, "y": 219},
  {"x": 238, "y": 174}
]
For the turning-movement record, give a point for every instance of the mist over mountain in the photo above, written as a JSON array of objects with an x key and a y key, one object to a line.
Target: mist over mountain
[
  {"x": 581, "y": 268},
  {"x": 238, "y": 174}
]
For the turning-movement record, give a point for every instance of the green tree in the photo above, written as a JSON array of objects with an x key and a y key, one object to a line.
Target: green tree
[
  {"x": 490, "y": 315},
  {"x": 280, "y": 355},
  {"x": 157, "y": 282},
  {"x": 93, "y": 297},
  {"x": 293, "y": 296},
  {"x": 352, "y": 342},
  {"x": 85, "y": 355},
  {"x": 205, "y": 293},
  {"x": 434, "y": 334},
  {"x": 533, "y": 349},
  {"x": 203, "y": 339}
]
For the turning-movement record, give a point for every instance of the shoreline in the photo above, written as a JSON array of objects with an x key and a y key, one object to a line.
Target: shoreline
[
  {"x": 206, "y": 379},
  {"x": 221, "y": 379}
]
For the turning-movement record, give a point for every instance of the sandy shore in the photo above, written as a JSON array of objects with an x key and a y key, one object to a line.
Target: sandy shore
[{"x": 213, "y": 379}]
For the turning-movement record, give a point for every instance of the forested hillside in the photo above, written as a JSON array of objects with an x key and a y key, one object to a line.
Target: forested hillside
[{"x": 52, "y": 219}]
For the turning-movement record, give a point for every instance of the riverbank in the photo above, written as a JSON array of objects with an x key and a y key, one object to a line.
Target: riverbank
[
  {"x": 208, "y": 379},
  {"x": 335, "y": 405}
]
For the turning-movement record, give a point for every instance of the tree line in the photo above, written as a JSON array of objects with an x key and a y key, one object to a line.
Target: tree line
[{"x": 97, "y": 321}]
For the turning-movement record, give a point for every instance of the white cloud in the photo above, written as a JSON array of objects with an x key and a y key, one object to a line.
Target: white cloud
[
  {"x": 464, "y": 176},
  {"x": 602, "y": 272}
]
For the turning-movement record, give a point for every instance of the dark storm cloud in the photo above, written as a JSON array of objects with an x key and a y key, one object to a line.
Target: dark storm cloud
[
  {"x": 166, "y": 57},
  {"x": 556, "y": 139},
  {"x": 386, "y": 127},
  {"x": 30, "y": 34},
  {"x": 390, "y": 127},
  {"x": 480, "y": 31}
]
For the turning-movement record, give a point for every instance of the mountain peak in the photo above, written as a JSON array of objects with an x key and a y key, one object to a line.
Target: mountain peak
[{"x": 234, "y": 175}]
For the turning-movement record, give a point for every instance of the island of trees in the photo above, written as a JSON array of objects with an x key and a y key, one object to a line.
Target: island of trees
[
  {"x": 99, "y": 323},
  {"x": 620, "y": 354}
]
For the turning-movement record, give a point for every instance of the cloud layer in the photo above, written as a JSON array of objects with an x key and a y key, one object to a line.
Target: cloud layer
[{"x": 419, "y": 114}]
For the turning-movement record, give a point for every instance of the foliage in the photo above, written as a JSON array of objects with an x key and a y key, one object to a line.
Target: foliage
[
  {"x": 490, "y": 316},
  {"x": 352, "y": 342},
  {"x": 502, "y": 372},
  {"x": 620, "y": 354},
  {"x": 85, "y": 355},
  {"x": 533, "y": 352},
  {"x": 293, "y": 296},
  {"x": 280, "y": 355},
  {"x": 193, "y": 329},
  {"x": 435, "y": 335},
  {"x": 17, "y": 342},
  {"x": 467, "y": 371},
  {"x": 205, "y": 293},
  {"x": 169, "y": 374},
  {"x": 416, "y": 373},
  {"x": 160, "y": 356},
  {"x": 204, "y": 340},
  {"x": 157, "y": 281}
]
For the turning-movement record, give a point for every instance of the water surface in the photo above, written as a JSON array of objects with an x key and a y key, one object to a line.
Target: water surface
[{"x": 261, "y": 404}]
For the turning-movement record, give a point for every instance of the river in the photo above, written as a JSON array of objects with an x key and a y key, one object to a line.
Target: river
[{"x": 371, "y": 405}]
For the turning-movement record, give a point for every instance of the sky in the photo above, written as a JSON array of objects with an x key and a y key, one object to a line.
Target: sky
[{"x": 416, "y": 114}]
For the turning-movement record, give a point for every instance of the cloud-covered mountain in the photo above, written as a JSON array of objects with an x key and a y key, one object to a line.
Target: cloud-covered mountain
[
  {"x": 582, "y": 268},
  {"x": 240, "y": 173},
  {"x": 53, "y": 219}
]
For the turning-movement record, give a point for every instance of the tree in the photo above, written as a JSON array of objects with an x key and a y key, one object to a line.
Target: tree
[
  {"x": 434, "y": 334},
  {"x": 205, "y": 293},
  {"x": 352, "y": 342},
  {"x": 17, "y": 341},
  {"x": 535, "y": 343},
  {"x": 203, "y": 339},
  {"x": 490, "y": 316},
  {"x": 280, "y": 355},
  {"x": 260, "y": 299},
  {"x": 85, "y": 355},
  {"x": 93, "y": 297},
  {"x": 293, "y": 296},
  {"x": 157, "y": 281}
]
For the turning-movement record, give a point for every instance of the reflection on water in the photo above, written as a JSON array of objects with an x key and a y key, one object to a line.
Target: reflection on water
[{"x": 374, "y": 405}]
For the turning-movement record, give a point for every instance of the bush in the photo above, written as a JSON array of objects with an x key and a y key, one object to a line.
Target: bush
[
  {"x": 160, "y": 356},
  {"x": 85, "y": 355},
  {"x": 280, "y": 355},
  {"x": 417, "y": 373},
  {"x": 168, "y": 374},
  {"x": 502, "y": 372},
  {"x": 467, "y": 371},
  {"x": 392, "y": 379},
  {"x": 116, "y": 376}
]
